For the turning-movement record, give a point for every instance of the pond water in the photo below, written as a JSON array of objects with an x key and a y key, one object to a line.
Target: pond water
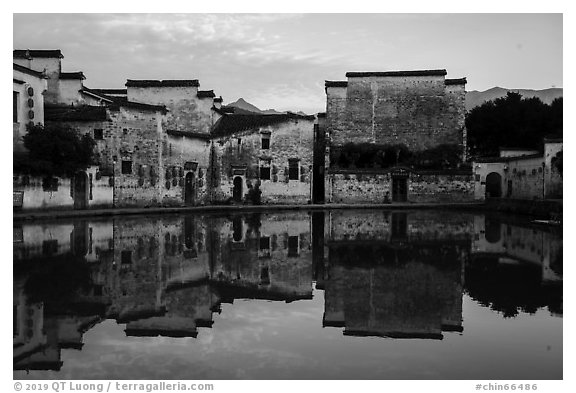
[{"x": 342, "y": 294}]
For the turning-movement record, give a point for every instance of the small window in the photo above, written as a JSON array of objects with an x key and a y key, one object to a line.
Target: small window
[
  {"x": 98, "y": 134},
  {"x": 15, "y": 99},
  {"x": 265, "y": 169},
  {"x": 265, "y": 243},
  {"x": 292, "y": 246},
  {"x": 126, "y": 257},
  {"x": 264, "y": 249},
  {"x": 126, "y": 167},
  {"x": 266, "y": 141},
  {"x": 293, "y": 169}
]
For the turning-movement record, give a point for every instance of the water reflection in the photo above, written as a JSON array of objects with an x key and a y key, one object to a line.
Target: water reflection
[{"x": 383, "y": 274}]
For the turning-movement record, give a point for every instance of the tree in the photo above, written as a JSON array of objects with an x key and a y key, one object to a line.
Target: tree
[
  {"x": 55, "y": 150},
  {"x": 512, "y": 121}
]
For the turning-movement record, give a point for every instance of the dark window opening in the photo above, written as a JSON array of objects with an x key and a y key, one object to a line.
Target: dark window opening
[
  {"x": 292, "y": 246},
  {"x": 98, "y": 134},
  {"x": 264, "y": 276},
  {"x": 266, "y": 142},
  {"x": 237, "y": 229},
  {"x": 293, "y": 169},
  {"x": 126, "y": 167},
  {"x": 265, "y": 170},
  {"x": 15, "y": 98},
  {"x": 265, "y": 173},
  {"x": 265, "y": 243},
  {"x": 126, "y": 257}
]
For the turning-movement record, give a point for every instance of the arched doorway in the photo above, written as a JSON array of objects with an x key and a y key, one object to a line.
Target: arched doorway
[
  {"x": 493, "y": 185},
  {"x": 80, "y": 190},
  {"x": 189, "y": 189},
  {"x": 237, "y": 191}
]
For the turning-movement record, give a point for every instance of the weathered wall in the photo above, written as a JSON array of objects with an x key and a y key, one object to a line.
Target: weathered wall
[
  {"x": 69, "y": 92},
  {"x": 371, "y": 187},
  {"x": 138, "y": 139},
  {"x": 186, "y": 112},
  {"x": 292, "y": 139},
  {"x": 177, "y": 151},
  {"x": 52, "y": 67},
  {"x": 441, "y": 188},
  {"x": 358, "y": 187},
  {"x": 98, "y": 190},
  {"x": 417, "y": 111},
  {"x": 23, "y": 108},
  {"x": 526, "y": 177}
]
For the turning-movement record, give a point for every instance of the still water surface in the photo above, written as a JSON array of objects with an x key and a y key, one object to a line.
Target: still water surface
[{"x": 295, "y": 295}]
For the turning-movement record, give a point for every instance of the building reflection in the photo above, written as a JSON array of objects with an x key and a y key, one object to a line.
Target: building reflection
[{"x": 390, "y": 274}]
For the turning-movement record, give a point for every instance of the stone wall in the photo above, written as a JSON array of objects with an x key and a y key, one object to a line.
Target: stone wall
[
  {"x": 358, "y": 187},
  {"x": 372, "y": 186},
  {"x": 291, "y": 139},
  {"x": 138, "y": 140},
  {"x": 441, "y": 188},
  {"x": 418, "y": 111}
]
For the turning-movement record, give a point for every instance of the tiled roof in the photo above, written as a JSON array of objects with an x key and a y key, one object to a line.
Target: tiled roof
[
  {"x": 335, "y": 83},
  {"x": 111, "y": 91},
  {"x": 460, "y": 81},
  {"x": 188, "y": 134},
  {"x": 322, "y": 114},
  {"x": 72, "y": 75},
  {"x": 95, "y": 94},
  {"x": 218, "y": 99},
  {"x": 74, "y": 113},
  {"x": 163, "y": 83},
  {"x": 231, "y": 124},
  {"x": 18, "y": 81},
  {"x": 137, "y": 105},
  {"x": 31, "y": 53},
  {"x": 397, "y": 73},
  {"x": 206, "y": 94},
  {"x": 28, "y": 71}
]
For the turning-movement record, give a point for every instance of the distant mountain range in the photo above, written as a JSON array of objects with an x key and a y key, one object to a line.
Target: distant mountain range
[
  {"x": 243, "y": 107},
  {"x": 475, "y": 98}
]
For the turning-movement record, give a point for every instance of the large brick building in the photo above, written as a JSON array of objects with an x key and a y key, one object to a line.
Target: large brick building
[{"x": 399, "y": 133}]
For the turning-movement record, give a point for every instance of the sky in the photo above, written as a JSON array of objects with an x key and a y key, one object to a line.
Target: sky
[{"x": 281, "y": 61}]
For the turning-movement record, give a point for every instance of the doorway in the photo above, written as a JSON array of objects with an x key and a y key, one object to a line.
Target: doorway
[
  {"x": 237, "y": 191},
  {"x": 189, "y": 189},
  {"x": 493, "y": 185},
  {"x": 80, "y": 191},
  {"x": 399, "y": 189}
]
